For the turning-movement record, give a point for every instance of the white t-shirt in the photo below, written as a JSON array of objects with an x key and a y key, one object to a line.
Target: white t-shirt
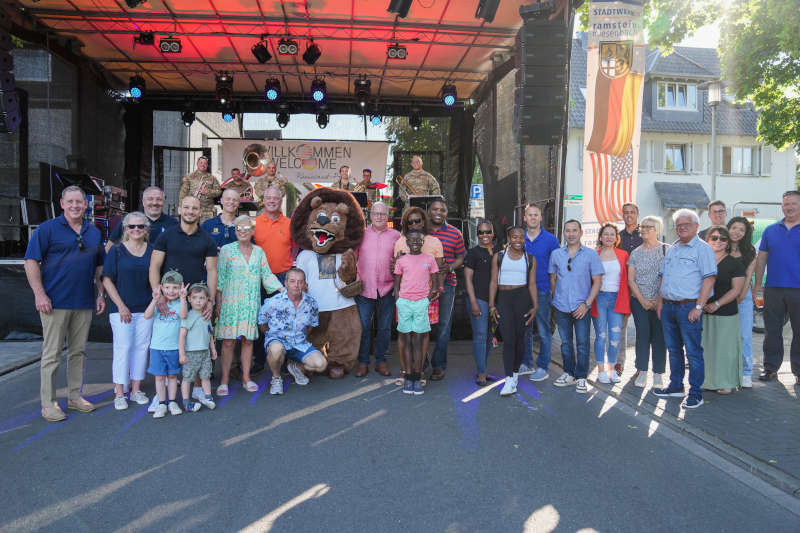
[
  {"x": 611, "y": 277},
  {"x": 323, "y": 289}
]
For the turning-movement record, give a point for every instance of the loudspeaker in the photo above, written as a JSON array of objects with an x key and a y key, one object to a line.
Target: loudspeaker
[
  {"x": 9, "y": 103},
  {"x": 400, "y": 7},
  {"x": 487, "y": 9},
  {"x": 542, "y": 85}
]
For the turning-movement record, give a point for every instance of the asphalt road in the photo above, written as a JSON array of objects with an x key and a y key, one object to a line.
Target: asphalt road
[{"x": 358, "y": 455}]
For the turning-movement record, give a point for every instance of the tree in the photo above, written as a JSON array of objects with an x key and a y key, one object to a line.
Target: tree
[{"x": 432, "y": 134}]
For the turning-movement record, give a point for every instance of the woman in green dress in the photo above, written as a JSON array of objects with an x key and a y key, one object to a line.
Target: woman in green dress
[{"x": 241, "y": 267}]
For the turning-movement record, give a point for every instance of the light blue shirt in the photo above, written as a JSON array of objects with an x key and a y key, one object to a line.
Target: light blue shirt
[
  {"x": 574, "y": 277},
  {"x": 287, "y": 323},
  {"x": 685, "y": 267},
  {"x": 167, "y": 328},
  {"x": 198, "y": 332}
]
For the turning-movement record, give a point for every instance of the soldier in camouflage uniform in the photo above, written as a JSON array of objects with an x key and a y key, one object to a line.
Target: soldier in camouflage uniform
[
  {"x": 344, "y": 179},
  {"x": 418, "y": 182},
  {"x": 266, "y": 181},
  {"x": 202, "y": 185}
]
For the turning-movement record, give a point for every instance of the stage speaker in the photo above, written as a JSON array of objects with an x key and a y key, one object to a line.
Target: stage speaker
[
  {"x": 542, "y": 85},
  {"x": 10, "y": 116}
]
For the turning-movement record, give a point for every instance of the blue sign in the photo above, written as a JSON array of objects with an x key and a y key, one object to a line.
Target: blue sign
[{"x": 476, "y": 192}]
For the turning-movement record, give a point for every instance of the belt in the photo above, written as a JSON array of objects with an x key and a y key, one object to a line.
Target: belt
[{"x": 679, "y": 302}]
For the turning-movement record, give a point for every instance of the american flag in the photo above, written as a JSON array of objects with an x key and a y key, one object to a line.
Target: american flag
[{"x": 612, "y": 185}]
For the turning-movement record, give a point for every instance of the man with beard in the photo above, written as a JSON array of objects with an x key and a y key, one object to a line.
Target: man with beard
[{"x": 153, "y": 207}]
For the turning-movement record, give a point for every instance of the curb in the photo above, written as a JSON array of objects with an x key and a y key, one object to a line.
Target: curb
[{"x": 20, "y": 364}]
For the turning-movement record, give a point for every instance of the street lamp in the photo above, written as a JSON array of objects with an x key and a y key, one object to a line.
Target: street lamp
[{"x": 714, "y": 98}]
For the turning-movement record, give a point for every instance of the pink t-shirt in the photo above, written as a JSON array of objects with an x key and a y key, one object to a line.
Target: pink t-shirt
[{"x": 416, "y": 271}]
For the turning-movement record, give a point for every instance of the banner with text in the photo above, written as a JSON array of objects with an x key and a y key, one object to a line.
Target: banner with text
[
  {"x": 615, "y": 66},
  {"x": 315, "y": 162}
]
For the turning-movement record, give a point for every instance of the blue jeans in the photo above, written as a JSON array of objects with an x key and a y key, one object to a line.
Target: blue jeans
[
  {"x": 607, "y": 326},
  {"x": 746, "y": 325},
  {"x": 543, "y": 332},
  {"x": 577, "y": 368},
  {"x": 439, "y": 358},
  {"x": 367, "y": 308},
  {"x": 481, "y": 340},
  {"x": 680, "y": 334}
]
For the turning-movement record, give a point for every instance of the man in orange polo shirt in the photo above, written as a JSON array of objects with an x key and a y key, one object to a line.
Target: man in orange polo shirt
[{"x": 273, "y": 236}]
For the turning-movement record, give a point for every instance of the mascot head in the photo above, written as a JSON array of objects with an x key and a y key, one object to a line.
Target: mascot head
[{"x": 328, "y": 221}]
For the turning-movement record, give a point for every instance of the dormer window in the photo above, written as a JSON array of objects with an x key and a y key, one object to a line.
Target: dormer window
[{"x": 677, "y": 96}]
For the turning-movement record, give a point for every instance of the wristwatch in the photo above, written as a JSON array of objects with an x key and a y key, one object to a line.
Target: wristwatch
[{"x": 698, "y": 307}]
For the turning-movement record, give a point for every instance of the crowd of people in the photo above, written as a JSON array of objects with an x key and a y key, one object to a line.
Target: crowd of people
[{"x": 178, "y": 289}]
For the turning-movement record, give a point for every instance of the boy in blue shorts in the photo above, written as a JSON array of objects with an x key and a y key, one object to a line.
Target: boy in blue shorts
[
  {"x": 196, "y": 349},
  {"x": 164, "y": 363},
  {"x": 413, "y": 290}
]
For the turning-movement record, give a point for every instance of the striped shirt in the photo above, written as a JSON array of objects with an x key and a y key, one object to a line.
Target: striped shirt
[{"x": 453, "y": 246}]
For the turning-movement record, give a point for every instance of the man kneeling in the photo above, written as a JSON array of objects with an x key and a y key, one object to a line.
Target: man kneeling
[{"x": 286, "y": 319}]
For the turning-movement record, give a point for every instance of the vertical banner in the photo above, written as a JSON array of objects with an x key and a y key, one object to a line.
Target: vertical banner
[{"x": 615, "y": 65}]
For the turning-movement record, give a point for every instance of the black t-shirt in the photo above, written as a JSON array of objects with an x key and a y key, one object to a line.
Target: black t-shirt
[
  {"x": 479, "y": 259},
  {"x": 727, "y": 269},
  {"x": 186, "y": 253}
]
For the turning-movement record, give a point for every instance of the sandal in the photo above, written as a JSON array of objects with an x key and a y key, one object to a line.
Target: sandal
[
  {"x": 250, "y": 386},
  {"x": 399, "y": 380},
  {"x": 222, "y": 390},
  {"x": 480, "y": 380}
]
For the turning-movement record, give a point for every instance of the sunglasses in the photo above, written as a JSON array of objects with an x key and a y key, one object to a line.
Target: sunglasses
[
  {"x": 136, "y": 226},
  {"x": 569, "y": 264},
  {"x": 414, "y": 220},
  {"x": 485, "y": 232},
  {"x": 81, "y": 244},
  {"x": 718, "y": 238},
  {"x": 244, "y": 228}
]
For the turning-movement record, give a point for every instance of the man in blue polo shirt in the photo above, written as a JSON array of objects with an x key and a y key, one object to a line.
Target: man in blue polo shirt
[
  {"x": 779, "y": 252},
  {"x": 221, "y": 227},
  {"x": 63, "y": 263},
  {"x": 153, "y": 207},
  {"x": 540, "y": 243}
]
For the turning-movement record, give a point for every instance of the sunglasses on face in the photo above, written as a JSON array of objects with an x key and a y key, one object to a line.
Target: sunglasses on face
[
  {"x": 485, "y": 232},
  {"x": 718, "y": 238},
  {"x": 244, "y": 228},
  {"x": 414, "y": 220},
  {"x": 136, "y": 226}
]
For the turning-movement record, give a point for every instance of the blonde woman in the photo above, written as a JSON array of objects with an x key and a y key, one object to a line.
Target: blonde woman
[
  {"x": 241, "y": 268},
  {"x": 125, "y": 278}
]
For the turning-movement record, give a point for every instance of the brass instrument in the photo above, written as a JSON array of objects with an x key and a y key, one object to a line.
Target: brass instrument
[
  {"x": 255, "y": 159},
  {"x": 407, "y": 186},
  {"x": 359, "y": 187}
]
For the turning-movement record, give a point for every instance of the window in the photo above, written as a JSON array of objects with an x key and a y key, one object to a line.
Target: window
[
  {"x": 675, "y": 157},
  {"x": 737, "y": 160},
  {"x": 680, "y": 96}
]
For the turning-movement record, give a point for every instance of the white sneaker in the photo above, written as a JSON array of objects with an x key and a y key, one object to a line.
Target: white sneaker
[
  {"x": 140, "y": 398},
  {"x": 564, "y": 380},
  {"x": 160, "y": 411},
  {"x": 580, "y": 387},
  {"x": 276, "y": 386},
  {"x": 658, "y": 381},
  {"x": 602, "y": 377},
  {"x": 614, "y": 376},
  {"x": 208, "y": 402},
  {"x": 509, "y": 386},
  {"x": 297, "y": 374},
  {"x": 747, "y": 382},
  {"x": 515, "y": 377},
  {"x": 120, "y": 403},
  {"x": 153, "y": 405},
  {"x": 175, "y": 409},
  {"x": 641, "y": 379},
  {"x": 524, "y": 369},
  {"x": 198, "y": 394}
]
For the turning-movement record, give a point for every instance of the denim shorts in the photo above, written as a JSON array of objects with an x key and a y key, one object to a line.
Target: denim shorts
[
  {"x": 292, "y": 353},
  {"x": 164, "y": 362},
  {"x": 413, "y": 316}
]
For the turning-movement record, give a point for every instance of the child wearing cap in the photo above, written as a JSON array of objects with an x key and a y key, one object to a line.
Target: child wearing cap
[
  {"x": 164, "y": 363},
  {"x": 196, "y": 349}
]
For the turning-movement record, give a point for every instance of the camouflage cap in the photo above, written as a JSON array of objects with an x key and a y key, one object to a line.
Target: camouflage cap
[{"x": 172, "y": 276}]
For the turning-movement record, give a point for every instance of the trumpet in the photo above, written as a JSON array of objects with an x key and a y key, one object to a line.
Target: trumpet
[{"x": 404, "y": 185}]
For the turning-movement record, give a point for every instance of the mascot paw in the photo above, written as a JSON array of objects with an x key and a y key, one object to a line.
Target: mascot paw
[{"x": 348, "y": 269}]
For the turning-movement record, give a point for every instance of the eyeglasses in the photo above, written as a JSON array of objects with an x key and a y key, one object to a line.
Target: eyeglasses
[
  {"x": 379, "y": 214},
  {"x": 646, "y": 228},
  {"x": 244, "y": 228},
  {"x": 718, "y": 238},
  {"x": 485, "y": 232},
  {"x": 414, "y": 220},
  {"x": 137, "y": 226},
  {"x": 81, "y": 245},
  {"x": 685, "y": 225}
]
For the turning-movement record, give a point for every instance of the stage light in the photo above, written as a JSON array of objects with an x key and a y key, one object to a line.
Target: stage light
[
  {"x": 133, "y": 3},
  {"x": 375, "y": 119},
  {"x": 415, "y": 120},
  {"x": 137, "y": 87},
  {"x": 272, "y": 90},
  {"x": 260, "y": 52},
  {"x": 224, "y": 87},
  {"x": 322, "y": 120},
  {"x": 362, "y": 90},
  {"x": 170, "y": 46},
  {"x": 400, "y": 7},
  {"x": 395, "y": 51},
  {"x": 146, "y": 37},
  {"x": 288, "y": 47},
  {"x": 319, "y": 92},
  {"x": 312, "y": 53},
  {"x": 227, "y": 116},
  {"x": 449, "y": 95},
  {"x": 487, "y": 9},
  {"x": 283, "y": 119},
  {"x": 188, "y": 118},
  {"x": 537, "y": 10}
]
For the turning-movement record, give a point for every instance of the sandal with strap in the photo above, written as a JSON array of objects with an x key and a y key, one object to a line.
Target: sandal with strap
[
  {"x": 222, "y": 390},
  {"x": 250, "y": 386}
]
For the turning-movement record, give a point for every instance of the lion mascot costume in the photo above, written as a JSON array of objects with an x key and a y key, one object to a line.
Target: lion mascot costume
[{"x": 328, "y": 225}]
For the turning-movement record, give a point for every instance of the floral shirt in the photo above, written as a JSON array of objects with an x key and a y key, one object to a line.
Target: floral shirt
[{"x": 287, "y": 323}]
